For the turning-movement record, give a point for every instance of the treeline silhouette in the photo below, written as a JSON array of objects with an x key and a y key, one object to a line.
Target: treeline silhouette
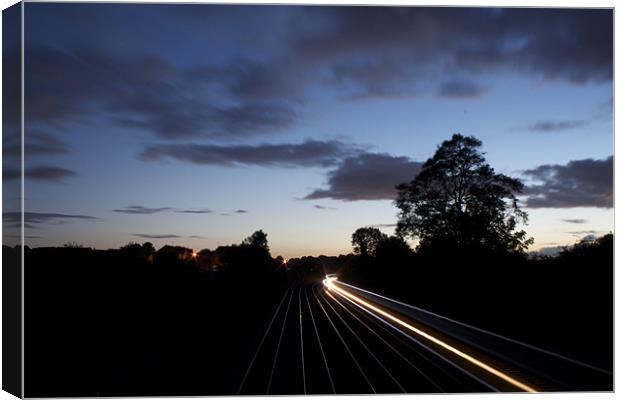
[
  {"x": 140, "y": 321},
  {"x": 562, "y": 302}
]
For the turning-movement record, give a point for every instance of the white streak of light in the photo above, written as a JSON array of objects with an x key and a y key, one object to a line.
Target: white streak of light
[{"x": 331, "y": 285}]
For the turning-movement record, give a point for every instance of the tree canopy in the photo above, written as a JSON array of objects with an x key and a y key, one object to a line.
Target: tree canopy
[
  {"x": 393, "y": 247},
  {"x": 258, "y": 239},
  {"x": 365, "y": 240},
  {"x": 458, "y": 201}
]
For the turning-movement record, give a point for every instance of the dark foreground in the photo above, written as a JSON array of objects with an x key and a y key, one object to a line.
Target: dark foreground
[
  {"x": 329, "y": 341},
  {"x": 113, "y": 324}
]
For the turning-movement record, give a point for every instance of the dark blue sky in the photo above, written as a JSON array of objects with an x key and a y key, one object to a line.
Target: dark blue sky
[{"x": 198, "y": 124}]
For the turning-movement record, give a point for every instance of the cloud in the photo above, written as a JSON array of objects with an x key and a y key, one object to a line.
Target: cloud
[
  {"x": 383, "y": 226},
  {"x": 353, "y": 51},
  {"x": 549, "y": 251},
  {"x": 32, "y": 219},
  {"x": 25, "y": 236},
  {"x": 589, "y": 237},
  {"x": 371, "y": 52},
  {"x": 367, "y": 177},
  {"x": 583, "y": 234},
  {"x": 156, "y": 236},
  {"x": 258, "y": 81},
  {"x": 554, "y": 126},
  {"x": 48, "y": 173},
  {"x": 11, "y": 174},
  {"x": 575, "y": 221},
  {"x": 310, "y": 153},
  {"x": 146, "y": 92},
  {"x": 239, "y": 211},
  {"x": 553, "y": 44},
  {"x": 249, "y": 119},
  {"x": 201, "y": 211},
  {"x": 19, "y": 225},
  {"x": 371, "y": 78},
  {"x": 553, "y": 249},
  {"x": 36, "y": 144},
  {"x": 579, "y": 183},
  {"x": 461, "y": 89},
  {"x": 255, "y": 81},
  {"x": 141, "y": 210},
  {"x": 320, "y": 207},
  {"x": 197, "y": 237}
]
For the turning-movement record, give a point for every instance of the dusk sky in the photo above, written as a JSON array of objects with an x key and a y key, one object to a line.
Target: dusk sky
[{"x": 199, "y": 124}]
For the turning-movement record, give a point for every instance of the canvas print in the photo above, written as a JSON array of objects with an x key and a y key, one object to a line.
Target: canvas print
[{"x": 221, "y": 199}]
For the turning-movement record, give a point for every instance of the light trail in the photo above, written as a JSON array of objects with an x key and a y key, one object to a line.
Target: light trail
[
  {"x": 301, "y": 338},
  {"x": 506, "y": 338},
  {"x": 275, "y": 358},
  {"x": 344, "y": 343},
  {"x": 402, "y": 389},
  {"x": 329, "y": 282},
  {"x": 318, "y": 338},
  {"x": 400, "y": 355},
  {"x": 260, "y": 345},
  {"x": 430, "y": 349},
  {"x": 385, "y": 326}
]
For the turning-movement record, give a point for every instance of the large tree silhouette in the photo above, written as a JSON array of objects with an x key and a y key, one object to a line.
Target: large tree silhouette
[
  {"x": 365, "y": 240},
  {"x": 457, "y": 201}
]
